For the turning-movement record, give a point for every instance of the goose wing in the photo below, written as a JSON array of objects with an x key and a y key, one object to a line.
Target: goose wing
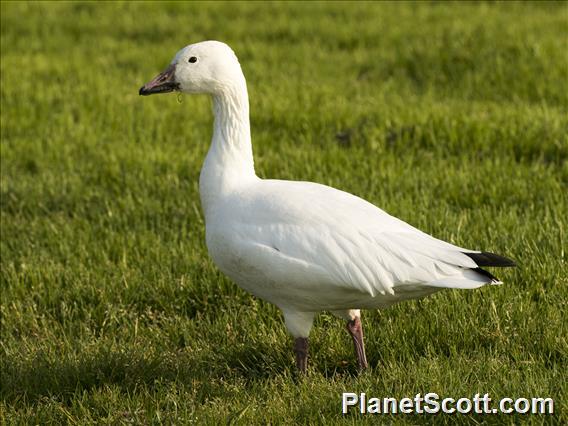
[{"x": 301, "y": 227}]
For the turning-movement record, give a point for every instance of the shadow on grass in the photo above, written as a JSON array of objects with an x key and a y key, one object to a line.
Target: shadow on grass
[
  {"x": 62, "y": 378},
  {"x": 133, "y": 368}
]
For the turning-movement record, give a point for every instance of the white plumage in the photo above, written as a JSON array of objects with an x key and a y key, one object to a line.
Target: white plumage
[{"x": 303, "y": 246}]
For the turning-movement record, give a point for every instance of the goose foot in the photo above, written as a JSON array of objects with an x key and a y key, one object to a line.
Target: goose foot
[
  {"x": 355, "y": 328},
  {"x": 301, "y": 349}
]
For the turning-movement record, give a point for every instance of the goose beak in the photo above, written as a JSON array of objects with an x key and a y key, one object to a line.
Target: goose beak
[{"x": 163, "y": 83}]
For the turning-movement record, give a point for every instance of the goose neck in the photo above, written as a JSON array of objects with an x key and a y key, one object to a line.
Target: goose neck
[{"x": 229, "y": 162}]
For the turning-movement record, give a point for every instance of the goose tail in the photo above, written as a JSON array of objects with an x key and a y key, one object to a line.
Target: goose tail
[{"x": 471, "y": 278}]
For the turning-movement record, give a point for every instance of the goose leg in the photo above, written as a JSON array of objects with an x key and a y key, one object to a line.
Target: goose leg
[
  {"x": 355, "y": 328},
  {"x": 299, "y": 325},
  {"x": 301, "y": 349}
]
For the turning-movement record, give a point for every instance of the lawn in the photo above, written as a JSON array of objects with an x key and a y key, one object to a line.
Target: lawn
[{"x": 453, "y": 117}]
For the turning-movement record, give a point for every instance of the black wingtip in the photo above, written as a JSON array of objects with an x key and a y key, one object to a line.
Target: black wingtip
[
  {"x": 487, "y": 274},
  {"x": 490, "y": 259}
]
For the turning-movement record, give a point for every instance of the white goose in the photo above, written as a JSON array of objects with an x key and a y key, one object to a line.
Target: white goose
[{"x": 303, "y": 246}]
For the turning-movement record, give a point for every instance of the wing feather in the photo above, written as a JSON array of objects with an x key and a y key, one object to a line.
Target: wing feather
[{"x": 359, "y": 246}]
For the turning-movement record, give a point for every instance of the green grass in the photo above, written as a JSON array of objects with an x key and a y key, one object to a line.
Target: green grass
[{"x": 453, "y": 117}]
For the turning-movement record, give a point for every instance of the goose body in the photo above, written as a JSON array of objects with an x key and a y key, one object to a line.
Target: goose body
[{"x": 303, "y": 246}]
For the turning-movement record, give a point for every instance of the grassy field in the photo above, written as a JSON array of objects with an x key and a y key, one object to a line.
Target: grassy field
[{"x": 453, "y": 117}]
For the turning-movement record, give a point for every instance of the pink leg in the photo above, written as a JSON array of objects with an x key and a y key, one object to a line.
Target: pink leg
[{"x": 355, "y": 328}]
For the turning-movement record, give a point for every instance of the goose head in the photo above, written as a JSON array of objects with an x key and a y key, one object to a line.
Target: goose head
[{"x": 205, "y": 67}]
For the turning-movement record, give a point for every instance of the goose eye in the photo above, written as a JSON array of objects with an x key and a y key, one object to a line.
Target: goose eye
[{"x": 192, "y": 60}]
